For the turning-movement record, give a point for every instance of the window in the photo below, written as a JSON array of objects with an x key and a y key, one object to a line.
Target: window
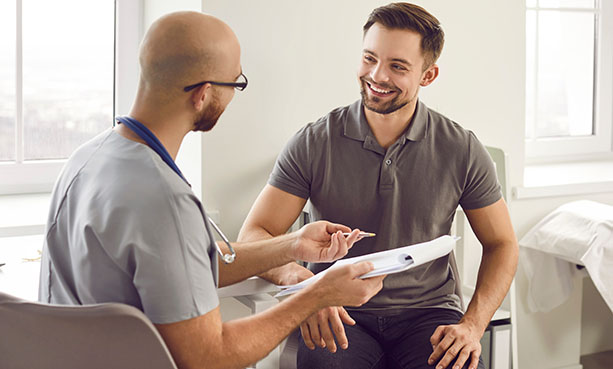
[
  {"x": 569, "y": 77},
  {"x": 57, "y": 82}
]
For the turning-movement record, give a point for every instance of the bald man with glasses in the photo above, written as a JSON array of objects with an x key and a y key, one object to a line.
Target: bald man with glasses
[{"x": 124, "y": 225}]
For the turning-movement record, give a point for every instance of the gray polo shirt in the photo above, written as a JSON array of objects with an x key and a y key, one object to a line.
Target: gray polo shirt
[
  {"x": 405, "y": 194},
  {"x": 123, "y": 227}
]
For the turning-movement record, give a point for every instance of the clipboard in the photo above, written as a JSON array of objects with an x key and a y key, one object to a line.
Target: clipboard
[{"x": 386, "y": 262}]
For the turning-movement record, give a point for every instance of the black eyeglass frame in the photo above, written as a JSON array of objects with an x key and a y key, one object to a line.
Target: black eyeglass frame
[{"x": 237, "y": 85}]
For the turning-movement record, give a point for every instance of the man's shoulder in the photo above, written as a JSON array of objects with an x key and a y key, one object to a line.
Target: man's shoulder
[
  {"x": 121, "y": 171},
  {"x": 442, "y": 122},
  {"x": 84, "y": 152},
  {"x": 79, "y": 161},
  {"x": 332, "y": 122},
  {"x": 342, "y": 113},
  {"x": 446, "y": 129}
]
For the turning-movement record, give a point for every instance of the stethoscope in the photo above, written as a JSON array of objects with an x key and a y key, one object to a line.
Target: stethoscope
[{"x": 155, "y": 144}]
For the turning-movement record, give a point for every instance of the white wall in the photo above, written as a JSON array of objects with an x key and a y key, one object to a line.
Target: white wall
[{"x": 300, "y": 58}]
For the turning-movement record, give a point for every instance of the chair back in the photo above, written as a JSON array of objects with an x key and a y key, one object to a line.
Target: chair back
[
  {"x": 109, "y": 335},
  {"x": 500, "y": 158}
]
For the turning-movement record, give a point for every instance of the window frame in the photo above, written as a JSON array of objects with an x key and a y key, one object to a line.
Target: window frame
[
  {"x": 38, "y": 176},
  {"x": 600, "y": 143}
]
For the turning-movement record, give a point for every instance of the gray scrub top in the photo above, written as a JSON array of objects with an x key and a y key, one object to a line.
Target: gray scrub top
[
  {"x": 406, "y": 194},
  {"x": 123, "y": 227}
]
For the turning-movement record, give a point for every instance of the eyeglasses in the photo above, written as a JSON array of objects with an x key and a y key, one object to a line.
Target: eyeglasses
[
  {"x": 237, "y": 85},
  {"x": 227, "y": 258}
]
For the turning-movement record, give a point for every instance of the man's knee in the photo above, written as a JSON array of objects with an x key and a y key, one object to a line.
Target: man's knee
[
  {"x": 363, "y": 353},
  {"x": 318, "y": 358}
]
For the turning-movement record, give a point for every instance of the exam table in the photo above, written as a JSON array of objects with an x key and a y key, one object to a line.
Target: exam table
[{"x": 576, "y": 238}]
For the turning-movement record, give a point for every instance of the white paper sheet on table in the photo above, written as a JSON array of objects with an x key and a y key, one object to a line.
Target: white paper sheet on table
[{"x": 387, "y": 262}]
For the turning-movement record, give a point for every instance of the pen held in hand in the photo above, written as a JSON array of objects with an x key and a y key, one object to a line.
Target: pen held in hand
[{"x": 362, "y": 234}]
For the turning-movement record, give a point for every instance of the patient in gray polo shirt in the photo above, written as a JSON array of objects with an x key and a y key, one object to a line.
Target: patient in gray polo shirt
[{"x": 390, "y": 165}]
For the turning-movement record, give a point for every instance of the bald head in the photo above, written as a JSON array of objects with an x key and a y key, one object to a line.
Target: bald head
[{"x": 183, "y": 48}]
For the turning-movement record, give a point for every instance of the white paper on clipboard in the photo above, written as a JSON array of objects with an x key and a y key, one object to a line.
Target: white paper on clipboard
[{"x": 387, "y": 262}]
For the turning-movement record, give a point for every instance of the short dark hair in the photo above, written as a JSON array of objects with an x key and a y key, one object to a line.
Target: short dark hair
[{"x": 415, "y": 18}]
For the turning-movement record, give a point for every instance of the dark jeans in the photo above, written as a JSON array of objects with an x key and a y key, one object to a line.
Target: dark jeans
[{"x": 384, "y": 342}]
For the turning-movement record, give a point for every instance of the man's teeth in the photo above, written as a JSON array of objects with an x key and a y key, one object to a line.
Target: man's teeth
[{"x": 379, "y": 90}]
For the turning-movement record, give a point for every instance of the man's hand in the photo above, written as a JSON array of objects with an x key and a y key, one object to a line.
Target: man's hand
[
  {"x": 323, "y": 242},
  {"x": 321, "y": 328},
  {"x": 291, "y": 273},
  {"x": 460, "y": 340},
  {"x": 342, "y": 286}
]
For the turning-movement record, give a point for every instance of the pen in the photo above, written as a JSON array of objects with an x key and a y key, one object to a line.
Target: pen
[{"x": 362, "y": 234}]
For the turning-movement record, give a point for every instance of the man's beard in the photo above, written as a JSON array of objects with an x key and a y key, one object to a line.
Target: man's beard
[
  {"x": 387, "y": 108},
  {"x": 208, "y": 118}
]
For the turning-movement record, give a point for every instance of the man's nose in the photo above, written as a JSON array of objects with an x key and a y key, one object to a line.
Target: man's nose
[{"x": 379, "y": 74}]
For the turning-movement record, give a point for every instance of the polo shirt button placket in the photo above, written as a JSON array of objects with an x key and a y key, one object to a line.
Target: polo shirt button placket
[{"x": 386, "y": 179}]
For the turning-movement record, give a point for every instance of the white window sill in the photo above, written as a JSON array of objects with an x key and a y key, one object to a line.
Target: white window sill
[
  {"x": 23, "y": 215},
  {"x": 566, "y": 179}
]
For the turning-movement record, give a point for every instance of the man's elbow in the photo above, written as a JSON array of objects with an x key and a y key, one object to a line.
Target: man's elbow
[
  {"x": 510, "y": 251},
  {"x": 252, "y": 231},
  {"x": 505, "y": 250}
]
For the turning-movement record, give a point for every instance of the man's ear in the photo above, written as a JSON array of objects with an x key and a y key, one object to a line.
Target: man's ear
[
  {"x": 429, "y": 75},
  {"x": 200, "y": 95}
]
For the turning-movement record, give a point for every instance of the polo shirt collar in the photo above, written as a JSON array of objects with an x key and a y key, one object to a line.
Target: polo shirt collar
[
  {"x": 356, "y": 125},
  {"x": 418, "y": 129}
]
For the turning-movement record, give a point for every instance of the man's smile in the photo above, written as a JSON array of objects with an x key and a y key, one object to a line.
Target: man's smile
[{"x": 379, "y": 91}]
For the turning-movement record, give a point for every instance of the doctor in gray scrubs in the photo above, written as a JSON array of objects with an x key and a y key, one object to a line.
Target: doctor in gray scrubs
[{"x": 124, "y": 225}]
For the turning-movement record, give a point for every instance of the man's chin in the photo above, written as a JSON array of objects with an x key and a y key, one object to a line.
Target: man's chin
[
  {"x": 204, "y": 127},
  {"x": 386, "y": 108},
  {"x": 208, "y": 120},
  {"x": 379, "y": 109}
]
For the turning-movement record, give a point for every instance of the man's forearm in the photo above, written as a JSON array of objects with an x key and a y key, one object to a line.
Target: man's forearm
[
  {"x": 267, "y": 329},
  {"x": 496, "y": 272},
  {"x": 206, "y": 342},
  {"x": 253, "y": 258},
  {"x": 319, "y": 242},
  {"x": 276, "y": 274}
]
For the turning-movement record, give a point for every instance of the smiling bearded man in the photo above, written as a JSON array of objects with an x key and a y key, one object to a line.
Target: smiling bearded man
[{"x": 388, "y": 164}]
